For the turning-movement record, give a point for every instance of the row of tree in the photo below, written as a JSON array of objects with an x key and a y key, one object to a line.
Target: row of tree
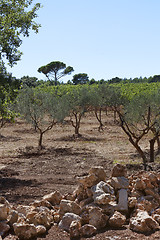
[
  {"x": 136, "y": 105},
  {"x": 83, "y": 78},
  {"x": 56, "y": 70},
  {"x": 138, "y": 116}
]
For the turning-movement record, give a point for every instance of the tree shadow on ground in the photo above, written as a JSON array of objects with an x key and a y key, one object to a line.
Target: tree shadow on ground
[
  {"x": 30, "y": 152},
  {"x": 11, "y": 182},
  {"x": 74, "y": 138},
  {"x": 9, "y": 139},
  {"x": 16, "y": 190}
]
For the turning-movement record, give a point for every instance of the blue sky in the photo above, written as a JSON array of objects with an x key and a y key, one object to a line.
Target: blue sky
[{"x": 103, "y": 38}]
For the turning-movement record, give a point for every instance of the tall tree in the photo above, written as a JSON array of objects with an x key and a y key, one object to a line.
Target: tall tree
[
  {"x": 15, "y": 21},
  {"x": 55, "y": 70}
]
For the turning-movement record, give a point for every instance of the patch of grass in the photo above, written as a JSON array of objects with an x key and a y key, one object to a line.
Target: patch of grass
[{"x": 131, "y": 161}]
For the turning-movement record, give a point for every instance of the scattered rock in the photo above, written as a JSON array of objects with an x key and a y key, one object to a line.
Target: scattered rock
[
  {"x": 119, "y": 170},
  {"x": 67, "y": 219},
  {"x": 117, "y": 220},
  {"x": 40, "y": 230},
  {"x": 87, "y": 230},
  {"x": 89, "y": 181},
  {"x": 74, "y": 229},
  {"x": 4, "y": 211},
  {"x": 69, "y": 206},
  {"x": 97, "y": 218},
  {"x": 25, "y": 231},
  {"x": 122, "y": 205},
  {"x": 40, "y": 216},
  {"x": 142, "y": 222},
  {"x": 119, "y": 183},
  {"x": 99, "y": 172},
  {"x": 94, "y": 204},
  {"x": 54, "y": 198},
  {"x": 4, "y": 228}
]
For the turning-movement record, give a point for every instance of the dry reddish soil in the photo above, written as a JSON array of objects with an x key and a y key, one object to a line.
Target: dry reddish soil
[{"x": 27, "y": 175}]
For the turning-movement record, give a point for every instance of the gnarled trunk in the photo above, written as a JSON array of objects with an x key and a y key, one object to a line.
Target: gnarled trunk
[
  {"x": 152, "y": 142},
  {"x": 99, "y": 118}
]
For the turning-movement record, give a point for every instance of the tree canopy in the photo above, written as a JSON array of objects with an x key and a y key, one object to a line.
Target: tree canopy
[
  {"x": 55, "y": 70},
  {"x": 80, "y": 78},
  {"x": 15, "y": 21},
  {"x": 29, "y": 81}
]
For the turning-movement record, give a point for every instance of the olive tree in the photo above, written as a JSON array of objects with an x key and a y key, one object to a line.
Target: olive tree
[
  {"x": 42, "y": 109},
  {"x": 78, "y": 104},
  {"x": 97, "y": 95},
  {"x": 103, "y": 97},
  {"x": 138, "y": 118}
]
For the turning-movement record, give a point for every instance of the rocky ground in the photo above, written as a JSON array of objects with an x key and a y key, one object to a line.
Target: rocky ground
[{"x": 27, "y": 175}]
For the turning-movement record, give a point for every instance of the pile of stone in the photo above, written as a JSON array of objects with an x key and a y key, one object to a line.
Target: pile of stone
[{"x": 96, "y": 203}]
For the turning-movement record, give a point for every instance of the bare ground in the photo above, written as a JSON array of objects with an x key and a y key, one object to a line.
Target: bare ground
[{"x": 27, "y": 175}]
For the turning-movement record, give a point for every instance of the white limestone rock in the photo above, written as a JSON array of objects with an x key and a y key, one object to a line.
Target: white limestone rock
[
  {"x": 97, "y": 218},
  {"x": 74, "y": 229},
  {"x": 69, "y": 206},
  {"x": 143, "y": 223},
  {"x": 89, "y": 181},
  {"x": 87, "y": 230},
  {"x": 67, "y": 219},
  {"x": 103, "y": 193},
  {"x": 119, "y": 183},
  {"x": 25, "y": 231},
  {"x": 122, "y": 205},
  {"x": 117, "y": 220},
  {"x": 54, "y": 198},
  {"x": 40, "y": 216},
  {"x": 99, "y": 172},
  {"x": 4, "y": 211}
]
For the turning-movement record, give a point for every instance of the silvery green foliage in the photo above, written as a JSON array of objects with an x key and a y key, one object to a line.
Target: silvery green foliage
[
  {"x": 144, "y": 110},
  {"x": 58, "y": 107},
  {"x": 41, "y": 108}
]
